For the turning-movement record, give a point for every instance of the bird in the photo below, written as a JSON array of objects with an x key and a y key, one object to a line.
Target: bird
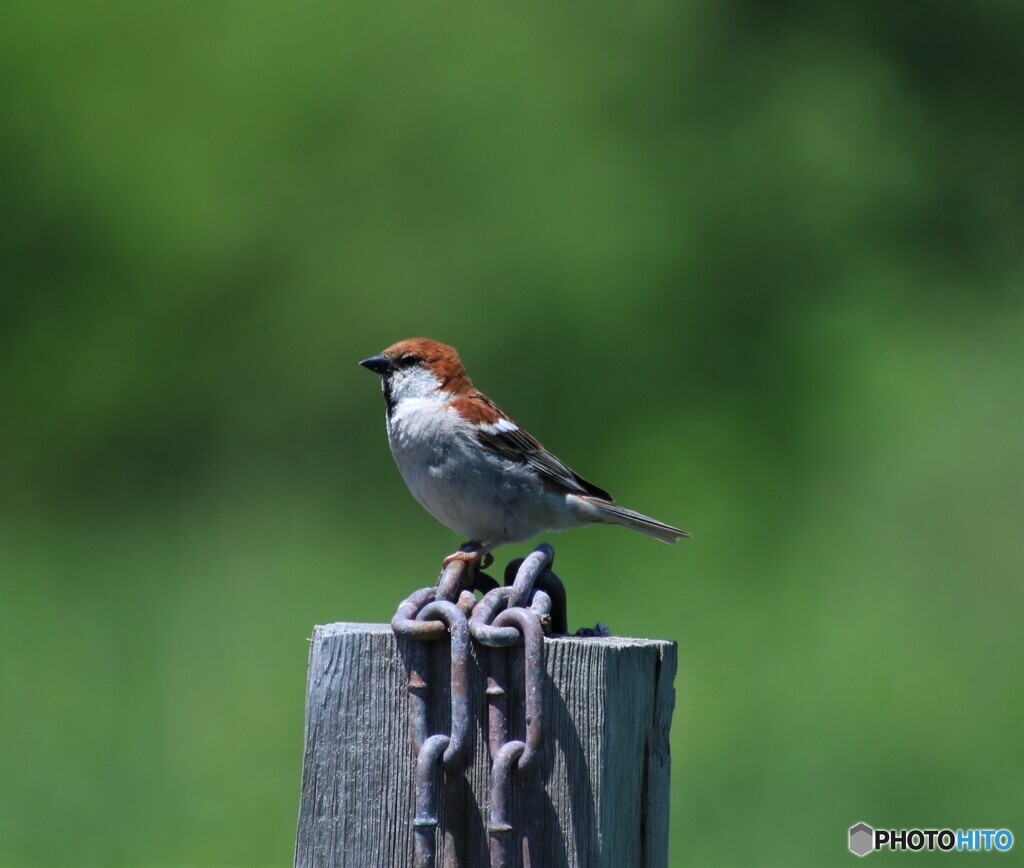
[{"x": 473, "y": 468}]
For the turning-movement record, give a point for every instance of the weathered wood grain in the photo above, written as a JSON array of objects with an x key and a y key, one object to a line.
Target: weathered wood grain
[{"x": 603, "y": 787}]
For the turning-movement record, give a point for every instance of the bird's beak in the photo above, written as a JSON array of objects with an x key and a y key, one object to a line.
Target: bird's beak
[{"x": 378, "y": 364}]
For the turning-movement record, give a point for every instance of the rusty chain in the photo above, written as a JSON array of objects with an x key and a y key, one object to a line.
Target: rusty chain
[
  {"x": 504, "y": 618},
  {"x": 531, "y": 603},
  {"x": 427, "y": 615}
]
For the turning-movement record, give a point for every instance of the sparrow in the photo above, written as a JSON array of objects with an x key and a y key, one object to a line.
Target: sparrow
[{"x": 472, "y": 467}]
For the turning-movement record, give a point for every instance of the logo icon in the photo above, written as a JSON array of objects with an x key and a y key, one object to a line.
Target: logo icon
[{"x": 862, "y": 839}]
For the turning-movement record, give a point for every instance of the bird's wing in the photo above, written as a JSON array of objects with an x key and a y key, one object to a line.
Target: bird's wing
[{"x": 510, "y": 441}]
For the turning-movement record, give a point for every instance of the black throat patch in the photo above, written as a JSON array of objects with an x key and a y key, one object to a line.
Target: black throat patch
[{"x": 389, "y": 398}]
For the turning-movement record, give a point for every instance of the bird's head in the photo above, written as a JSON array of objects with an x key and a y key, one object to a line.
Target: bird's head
[{"x": 418, "y": 368}]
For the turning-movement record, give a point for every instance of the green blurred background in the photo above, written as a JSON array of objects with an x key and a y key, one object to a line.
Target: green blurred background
[{"x": 757, "y": 268}]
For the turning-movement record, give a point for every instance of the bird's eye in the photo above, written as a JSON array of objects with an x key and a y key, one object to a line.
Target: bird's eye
[{"x": 407, "y": 360}]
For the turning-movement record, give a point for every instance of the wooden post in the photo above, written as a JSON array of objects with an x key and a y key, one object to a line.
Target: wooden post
[{"x": 603, "y": 781}]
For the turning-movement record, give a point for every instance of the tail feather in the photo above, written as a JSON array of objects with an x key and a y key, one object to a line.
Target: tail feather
[{"x": 612, "y": 513}]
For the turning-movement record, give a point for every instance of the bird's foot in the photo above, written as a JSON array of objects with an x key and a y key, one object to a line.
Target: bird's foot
[
  {"x": 474, "y": 558},
  {"x": 464, "y": 573},
  {"x": 466, "y": 557}
]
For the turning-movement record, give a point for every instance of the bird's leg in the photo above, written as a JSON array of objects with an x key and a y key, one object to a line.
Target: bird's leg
[
  {"x": 462, "y": 575},
  {"x": 469, "y": 553},
  {"x": 474, "y": 555}
]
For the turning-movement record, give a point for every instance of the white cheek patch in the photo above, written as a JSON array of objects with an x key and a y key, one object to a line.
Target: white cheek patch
[
  {"x": 414, "y": 382},
  {"x": 499, "y": 426}
]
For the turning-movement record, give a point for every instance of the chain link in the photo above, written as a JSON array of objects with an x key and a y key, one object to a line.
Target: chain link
[
  {"x": 501, "y": 620},
  {"x": 531, "y": 603},
  {"x": 428, "y": 615}
]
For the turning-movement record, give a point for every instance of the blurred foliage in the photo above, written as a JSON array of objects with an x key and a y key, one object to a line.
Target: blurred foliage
[{"x": 755, "y": 267}]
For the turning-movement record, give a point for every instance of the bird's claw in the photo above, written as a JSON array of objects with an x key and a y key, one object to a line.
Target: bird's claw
[
  {"x": 473, "y": 554},
  {"x": 471, "y": 558}
]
